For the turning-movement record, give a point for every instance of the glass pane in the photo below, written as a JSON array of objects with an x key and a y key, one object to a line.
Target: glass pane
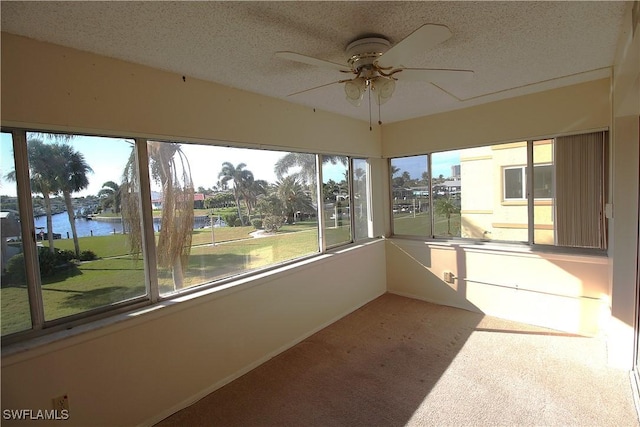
[
  {"x": 544, "y": 194},
  {"x": 335, "y": 188},
  {"x": 447, "y": 193},
  {"x": 15, "y": 313},
  {"x": 485, "y": 214},
  {"x": 219, "y": 211},
  {"x": 410, "y": 196},
  {"x": 514, "y": 183},
  {"x": 360, "y": 199},
  {"x": 85, "y": 258}
]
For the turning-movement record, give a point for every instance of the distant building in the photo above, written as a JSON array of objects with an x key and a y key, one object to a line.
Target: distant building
[
  {"x": 494, "y": 198},
  {"x": 156, "y": 200},
  {"x": 455, "y": 172}
]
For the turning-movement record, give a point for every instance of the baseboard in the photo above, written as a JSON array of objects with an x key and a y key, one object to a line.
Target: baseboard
[
  {"x": 421, "y": 298},
  {"x": 219, "y": 384}
]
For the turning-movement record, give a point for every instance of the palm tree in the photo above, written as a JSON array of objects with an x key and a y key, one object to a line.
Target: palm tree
[
  {"x": 293, "y": 196},
  {"x": 42, "y": 167},
  {"x": 252, "y": 192},
  {"x": 446, "y": 207},
  {"x": 71, "y": 177},
  {"x": 307, "y": 164},
  {"x": 170, "y": 168},
  {"x": 242, "y": 179},
  {"x": 109, "y": 195}
]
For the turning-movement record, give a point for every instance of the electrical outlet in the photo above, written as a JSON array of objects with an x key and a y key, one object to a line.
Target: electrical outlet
[
  {"x": 61, "y": 403},
  {"x": 448, "y": 277}
]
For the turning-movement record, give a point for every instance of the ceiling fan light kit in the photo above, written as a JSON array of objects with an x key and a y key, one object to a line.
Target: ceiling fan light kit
[{"x": 375, "y": 62}]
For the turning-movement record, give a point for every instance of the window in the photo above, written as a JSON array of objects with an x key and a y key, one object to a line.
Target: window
[
  {"x": 219, "y": 211},
  {"x": 446, "y": 187},
  {"x": 15, "y": 312},
  {"x": 361, "y": 210},
  {"x": 514, "y": 183},
  {"x": 336, "y": 200},
  {"x": 410, "y": 193},
  {"x": 121, "y": 223},
  {"x": 483, "y": 192}
]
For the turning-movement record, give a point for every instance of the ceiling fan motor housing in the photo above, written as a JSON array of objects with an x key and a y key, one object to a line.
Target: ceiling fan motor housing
[{"x": 362, "y": 53}]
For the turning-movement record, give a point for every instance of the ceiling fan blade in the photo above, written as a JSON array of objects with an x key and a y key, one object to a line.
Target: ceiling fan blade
[
  {"x": 318, "y": 87},
  {"x": 292, "y": 56},
  {"x": 421, "y": 40},
  {"x": 434, "y": 75}
]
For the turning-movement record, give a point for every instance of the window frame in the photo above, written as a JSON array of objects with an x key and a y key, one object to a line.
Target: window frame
[
  {"x": 42, "y": 327},
  {"x": 523, "y": 189},
  {"x": 530, "y": 202},
  {"x": 429, "y": 186}
]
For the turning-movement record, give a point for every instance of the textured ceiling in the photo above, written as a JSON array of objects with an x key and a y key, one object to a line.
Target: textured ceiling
[{"x": 513, "y": 47}]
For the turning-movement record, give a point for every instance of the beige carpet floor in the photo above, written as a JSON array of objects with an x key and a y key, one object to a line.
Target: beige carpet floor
[{"x": 403, "y": 362}]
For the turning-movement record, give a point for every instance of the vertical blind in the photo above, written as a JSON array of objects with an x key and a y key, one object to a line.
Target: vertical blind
[{"x": 580, "y": 190}]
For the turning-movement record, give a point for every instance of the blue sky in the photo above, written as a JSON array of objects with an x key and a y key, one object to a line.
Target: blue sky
[
  {"x": 108, "y": 156},
  {"x": 416, "y": 165}
]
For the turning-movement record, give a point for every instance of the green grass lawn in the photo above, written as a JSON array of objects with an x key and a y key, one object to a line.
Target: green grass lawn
[
  {"x": 407, "y": 224},
  {"x": 116, "y": 276}
]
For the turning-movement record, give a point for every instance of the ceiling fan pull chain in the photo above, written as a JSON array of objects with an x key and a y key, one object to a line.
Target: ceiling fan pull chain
[
  {"x": 379, "y": 116},
  {"x": 370, "y": 127}
]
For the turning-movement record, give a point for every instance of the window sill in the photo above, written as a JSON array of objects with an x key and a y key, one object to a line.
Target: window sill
[
  {"x": 513, "y": 248},
  {"x": 113, "y": 321}
]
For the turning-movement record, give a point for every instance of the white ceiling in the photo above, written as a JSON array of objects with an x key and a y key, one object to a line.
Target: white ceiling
[{"x": 513, "y": 47}]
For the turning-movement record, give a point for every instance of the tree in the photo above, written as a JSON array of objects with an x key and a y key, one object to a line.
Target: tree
[
  {"x": 242, "y": 179},
  {"x": 446, "y": 207},
  {"x": 219, "y": 200},
  {"x": 71, "y": 177},
  {"x": 42, "y": 172},
  {"x": 170, "y": 168},
  {"x": 293, "y": 197},
  {"x": 307, "y": 164},
  {"x": 252, "y": 191},
  {"x": 110, "y": 196},
  {"x": 274, "y": 211}
]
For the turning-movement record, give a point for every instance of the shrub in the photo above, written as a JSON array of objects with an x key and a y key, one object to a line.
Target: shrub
[
  {"x": 237, "y": 222},
  {"x": 64, "y": 255},
  {"x": 15, "y": 269},
  {"x": 48, "y": 262},
  {"x": 230, "y": 219},
  {"x": 87, "y": 256},
  {"x": 257, "y": 223},
  {"x": 273, "y": 222}
]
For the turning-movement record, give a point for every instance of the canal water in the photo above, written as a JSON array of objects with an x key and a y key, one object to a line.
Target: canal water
[{"x": 95, "y": 227}]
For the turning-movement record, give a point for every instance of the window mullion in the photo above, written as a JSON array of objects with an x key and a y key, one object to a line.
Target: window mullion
[
  {"x": 529, "y": 193},
  {"x": 322, "y": 244},
  {"x": 148, "y": 237},
  {"x": 430, "y": 186},
  {"x": 34, "y": 288},
  {"x": 352, "y": 202},
  {"x": 370, "y": 229}
]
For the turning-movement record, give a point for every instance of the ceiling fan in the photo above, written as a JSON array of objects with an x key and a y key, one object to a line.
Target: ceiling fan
[{"x": 377, "y": 64}]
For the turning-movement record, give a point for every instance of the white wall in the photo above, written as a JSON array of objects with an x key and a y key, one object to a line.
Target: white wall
[
  {"x": 161, "y": 361},
  {"x": 151, "y": 364},
  {"x": 566, "y": 293},
  {"x": 53, "y": 87},
  {"x": 145, "y": 368},
  {"x": 569, "y": 293},
  {"x": 625, "y": 151},
  {"x": 576, "y": 108}
]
